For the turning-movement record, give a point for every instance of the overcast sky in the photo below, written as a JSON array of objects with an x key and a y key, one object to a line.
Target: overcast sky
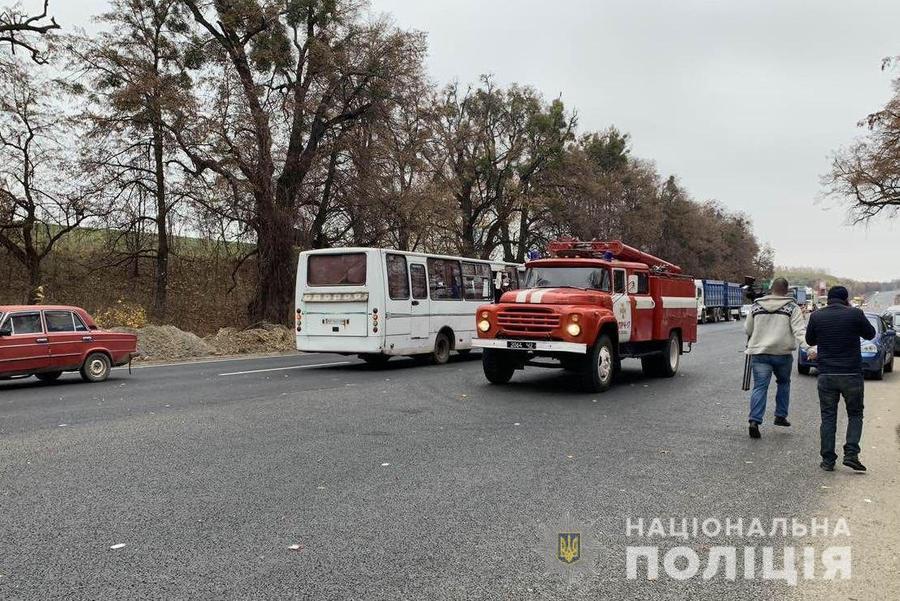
[{"x": 743, "y": 101}]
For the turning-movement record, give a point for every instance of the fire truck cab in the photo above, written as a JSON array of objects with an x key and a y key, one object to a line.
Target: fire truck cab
[{"x": 585, "y": 308}]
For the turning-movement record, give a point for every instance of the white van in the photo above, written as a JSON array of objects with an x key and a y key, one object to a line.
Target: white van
[{"x": 378, "y": 303}]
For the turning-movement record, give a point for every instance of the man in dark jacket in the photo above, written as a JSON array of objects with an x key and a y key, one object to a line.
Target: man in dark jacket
[{"x": 836, "y": 330}]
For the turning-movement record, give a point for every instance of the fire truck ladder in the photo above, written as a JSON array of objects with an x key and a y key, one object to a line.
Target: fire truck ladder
[{"x": 614, "y": 249}]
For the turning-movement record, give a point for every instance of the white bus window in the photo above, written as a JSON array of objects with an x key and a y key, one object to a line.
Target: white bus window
[
  {"x": 419, "y": 281},
  {"x": 446, "y": 282},
  {"x": 476, "y": 281},
  {"x": 347, "y": 269},
  {"x": 398, "y": 279}
]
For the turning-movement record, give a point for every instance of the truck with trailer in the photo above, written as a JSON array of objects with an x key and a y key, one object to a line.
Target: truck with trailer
[
  {"x": 718, "y": 300},
  {"x": 585, "y": 308}
]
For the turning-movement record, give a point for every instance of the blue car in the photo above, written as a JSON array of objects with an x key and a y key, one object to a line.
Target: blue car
[{"x": 877, "y": 354}]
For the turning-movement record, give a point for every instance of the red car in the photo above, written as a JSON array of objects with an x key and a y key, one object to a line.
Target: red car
[{"x": 44, "y": 341}]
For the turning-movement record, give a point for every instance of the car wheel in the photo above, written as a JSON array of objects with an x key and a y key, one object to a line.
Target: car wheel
[
  {"x": 599, "y": 366},
  {"x": 48, "y": 376},
  {"x": 441, "y": 353},
  {"x": 375, "y": 359},
  {"x": 498, "y": 366},
  {"x": 878, "y": 374},
  {"x": 95, "y": 368}
]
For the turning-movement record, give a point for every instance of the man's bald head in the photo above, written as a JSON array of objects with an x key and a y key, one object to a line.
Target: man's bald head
[{"x": 780, "y": 286}]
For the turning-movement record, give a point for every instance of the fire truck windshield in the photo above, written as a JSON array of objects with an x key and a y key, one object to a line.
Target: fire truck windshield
[{"x": 568, "y": 277}]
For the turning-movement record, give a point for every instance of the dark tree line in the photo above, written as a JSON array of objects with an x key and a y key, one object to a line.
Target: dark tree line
[{"x": 291, "y": 124}]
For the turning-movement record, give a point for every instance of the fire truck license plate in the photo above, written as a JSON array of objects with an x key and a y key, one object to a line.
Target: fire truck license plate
[{"x": 518, "y": 344}]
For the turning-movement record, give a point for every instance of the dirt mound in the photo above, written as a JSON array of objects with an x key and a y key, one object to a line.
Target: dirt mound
[
  {"x": 264, "y": 338},
  {"x": 163, "y": 343},
  {"x": 168, "y": 343}
]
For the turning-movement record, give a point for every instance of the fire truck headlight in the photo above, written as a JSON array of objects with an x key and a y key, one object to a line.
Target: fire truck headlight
[
  {"x": 484, "y": 325},
  {"x": 573, "y": 329}
]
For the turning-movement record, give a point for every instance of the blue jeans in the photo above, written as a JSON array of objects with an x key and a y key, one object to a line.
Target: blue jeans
[
  {"x": 763, "y": 367},
  {"x": 831, "y": 388}
]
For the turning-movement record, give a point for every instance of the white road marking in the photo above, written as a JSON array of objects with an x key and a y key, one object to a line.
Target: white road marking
[
  {"x": 189, "y": 362},
  {"x": 259, "y": 371},
  {"x": 118, "y": 546}
]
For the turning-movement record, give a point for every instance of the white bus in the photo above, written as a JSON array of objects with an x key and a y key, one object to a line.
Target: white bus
[{"x": 378, "y": 303}]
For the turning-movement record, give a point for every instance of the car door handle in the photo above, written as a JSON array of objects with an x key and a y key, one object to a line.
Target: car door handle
[
  {"x": 87, "y": 338},
  {"x": 41, "y": 340},
  {"x": 415, "y": 303}
]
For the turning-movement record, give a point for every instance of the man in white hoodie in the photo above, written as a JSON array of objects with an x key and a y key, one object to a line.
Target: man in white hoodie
[{"x": 774, "y": 327}]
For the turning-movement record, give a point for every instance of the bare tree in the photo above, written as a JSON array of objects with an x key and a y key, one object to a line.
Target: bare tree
[
  {"x": 867, "y": 174},
  {"x": 304, "y": 72},
  {"x": 137, "y": 81},
  {"x": 39, "y": 205},
  {"x": 18, "y": 27},
  {"x": 490, "y": 145}
]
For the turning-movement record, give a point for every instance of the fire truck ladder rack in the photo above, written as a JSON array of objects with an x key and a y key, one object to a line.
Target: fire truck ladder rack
[{"x": 614, "y": 249}]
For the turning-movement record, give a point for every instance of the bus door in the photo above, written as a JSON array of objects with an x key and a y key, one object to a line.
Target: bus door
[{"x": 421, "y": 307}]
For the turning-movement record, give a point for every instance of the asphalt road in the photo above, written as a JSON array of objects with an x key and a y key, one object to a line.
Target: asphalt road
[{"x": 413, "y": 482}]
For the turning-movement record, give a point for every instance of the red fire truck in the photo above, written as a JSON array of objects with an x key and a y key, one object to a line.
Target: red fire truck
[{"x": 588, "y": 306}]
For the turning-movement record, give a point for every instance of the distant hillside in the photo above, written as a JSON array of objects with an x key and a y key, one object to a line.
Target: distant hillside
[{"x": 811, "y": 276}]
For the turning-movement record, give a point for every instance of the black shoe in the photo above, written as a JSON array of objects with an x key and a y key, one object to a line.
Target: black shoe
[
  {"x": 828, "y": 467},
  {"x": 781, "y": 421},
  {"x": 754, "y": 429},
  {"x": 853, "y": 463}
]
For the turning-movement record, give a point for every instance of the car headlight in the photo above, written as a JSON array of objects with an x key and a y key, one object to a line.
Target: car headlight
[
  {"x": 868, "y": 347},
  {"x": 573, "y": 329},
  {"x": 484, "y": 325}
]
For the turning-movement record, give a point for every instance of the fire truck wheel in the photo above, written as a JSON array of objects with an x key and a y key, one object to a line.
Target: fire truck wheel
[
  {"x": 665, "y": 364},
  {"x": 498, "y": 366},
  {"x": 600, "y": 366}
]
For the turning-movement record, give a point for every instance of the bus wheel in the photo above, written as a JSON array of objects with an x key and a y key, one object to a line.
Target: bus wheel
[
  {"x": 599, "y": 366},
  {"x": 498, "y": 366},
  {"x": 441, "y": 353},
  {"x": 375, "y": 359}
]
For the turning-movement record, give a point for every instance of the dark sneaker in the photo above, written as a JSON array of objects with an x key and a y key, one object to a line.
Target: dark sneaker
[
  {"x": 853, "y": 463},
  {"x": 754, "y": 429},
  {"x": 828, "y": 467},
  {"x": 781, "y": 421}
]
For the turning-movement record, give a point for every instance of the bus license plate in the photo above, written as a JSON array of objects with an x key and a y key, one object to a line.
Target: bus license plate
[
  {"x": 336, "y": 322},
  {"x": 518, "y": 344}
]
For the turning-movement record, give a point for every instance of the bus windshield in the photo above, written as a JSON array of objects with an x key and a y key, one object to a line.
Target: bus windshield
[
  {"x": 595, "y": 278},
  {"x": 345, "y": 269}
]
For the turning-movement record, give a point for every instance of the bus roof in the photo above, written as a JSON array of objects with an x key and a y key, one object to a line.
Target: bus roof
[{"x": 366, "y": 249}]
